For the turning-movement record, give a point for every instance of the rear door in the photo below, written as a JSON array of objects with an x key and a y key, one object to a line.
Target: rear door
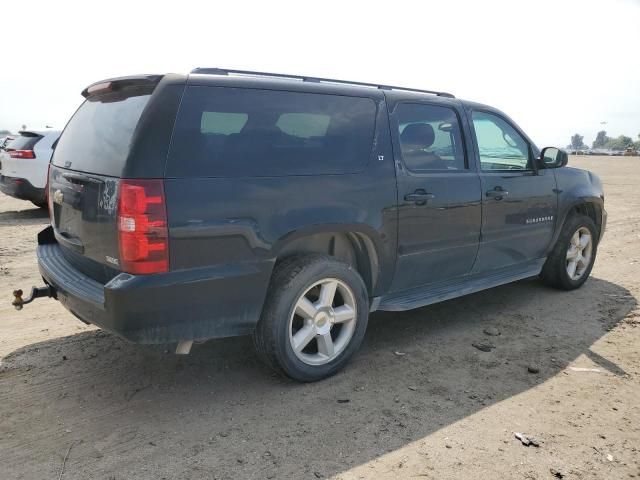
[
  {"x": 438, "y": 195},
  {"x": 104, "y": 141},
  {"x": 519, "y": 202}
]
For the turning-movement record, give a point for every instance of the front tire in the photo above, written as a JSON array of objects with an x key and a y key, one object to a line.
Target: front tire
[
  {"x": 572, "y": 258},
  {"x": 314, "y": 317}
]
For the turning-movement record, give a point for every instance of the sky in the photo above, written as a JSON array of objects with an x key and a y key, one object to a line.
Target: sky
[{"x": 555, "y": 67}]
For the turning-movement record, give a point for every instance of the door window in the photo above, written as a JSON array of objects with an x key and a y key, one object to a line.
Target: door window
[
  {"x": 430, "y": 137},
  {"x": 500, "y": 146}
]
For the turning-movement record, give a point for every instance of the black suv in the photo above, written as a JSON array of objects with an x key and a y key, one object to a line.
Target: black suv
[{"x": 221, "y": 203}]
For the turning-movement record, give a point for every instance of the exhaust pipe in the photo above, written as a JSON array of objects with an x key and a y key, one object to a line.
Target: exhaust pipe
[{"x": 36, "y": 292}]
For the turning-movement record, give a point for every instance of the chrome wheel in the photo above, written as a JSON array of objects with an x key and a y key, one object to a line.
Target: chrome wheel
[
  {"x": 323, "y": 321},
  {"x": 579, "y": 253}
]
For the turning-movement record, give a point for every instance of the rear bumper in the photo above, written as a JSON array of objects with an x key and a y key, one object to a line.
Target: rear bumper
[
  {"x": 209, "y": 302},
  {"x": 21, "y": 188}
]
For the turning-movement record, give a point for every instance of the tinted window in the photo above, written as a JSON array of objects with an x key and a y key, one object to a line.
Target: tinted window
[
  {"x": 24, "y": 142},
  {"x": 221, "y": 123},
  {"x": 248, "y": 132},
  {"x": 304, "y": 125},
  {"x": 97, "y": 139},
  {"x": 500, "y": 146},
  {"x": 430, "y": 137}
]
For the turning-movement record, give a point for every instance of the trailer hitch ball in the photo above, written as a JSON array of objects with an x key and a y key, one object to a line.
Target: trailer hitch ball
[
  {"x": 36, "y": 292},
  {"x": 17, "y": 299}
]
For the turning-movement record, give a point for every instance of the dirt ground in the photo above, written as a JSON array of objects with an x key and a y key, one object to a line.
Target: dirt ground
[{"x": 419, "y": 401}]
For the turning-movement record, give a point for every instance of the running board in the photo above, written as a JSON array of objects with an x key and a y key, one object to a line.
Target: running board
[{"x": 438, "y": 292}]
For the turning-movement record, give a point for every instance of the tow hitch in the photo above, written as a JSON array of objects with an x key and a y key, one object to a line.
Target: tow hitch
[{"x": 36, "y": 292}]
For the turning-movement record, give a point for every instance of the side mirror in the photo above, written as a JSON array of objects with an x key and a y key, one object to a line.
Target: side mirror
[{"x": 552, "y": 157}]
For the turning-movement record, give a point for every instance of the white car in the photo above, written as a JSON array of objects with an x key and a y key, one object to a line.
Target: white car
[
  {"x": 24, "y": 164},
  {"x": 4, "y": 141}
]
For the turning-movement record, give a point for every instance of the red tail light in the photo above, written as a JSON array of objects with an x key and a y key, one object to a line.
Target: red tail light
[
  {"x": 22, "y": 154},
  {"x": 99, "y": 88},
  {"x": 142, "y": 227}
]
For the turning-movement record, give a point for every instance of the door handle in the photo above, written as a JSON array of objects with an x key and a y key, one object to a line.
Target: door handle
[
  {"x": 419, "y": 197},
  {"x": 498, "y": 193}
]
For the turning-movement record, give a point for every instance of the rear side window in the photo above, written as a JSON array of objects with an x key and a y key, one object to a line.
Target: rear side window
[
  {"x": 232, "y": 132},
  {"x": 24, "y": 142},
  {"x": 222, "y": 123},
  {"x": 98, "y": 137},
  {"x": 304, "y": 125}
]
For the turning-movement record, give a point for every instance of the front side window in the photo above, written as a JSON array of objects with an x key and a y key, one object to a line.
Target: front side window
[
  {"x": 430, "y": 137},
  {"x": 500, "y": 146}
]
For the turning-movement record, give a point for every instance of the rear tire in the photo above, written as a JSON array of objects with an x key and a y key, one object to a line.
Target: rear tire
[
  {"x": 314, "y": 317},
  {"x": 571, "y": 260}
]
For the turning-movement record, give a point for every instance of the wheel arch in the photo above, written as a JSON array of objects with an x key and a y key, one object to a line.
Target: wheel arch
[
  {"x": 592, "y": 210},
  {"x": 355, "y": 245},
  {"x": 590, "y": 206}
]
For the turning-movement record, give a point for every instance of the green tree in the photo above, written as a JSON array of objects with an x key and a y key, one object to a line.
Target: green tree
[
  {"x": 577, "y": 142},
  {"x": 620, "y": 143},
  {"x": 7, "y": 132},
  {"x": 601, "y": 139}
]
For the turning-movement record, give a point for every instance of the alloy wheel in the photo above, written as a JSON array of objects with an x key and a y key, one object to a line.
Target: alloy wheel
[
  {"x": 323, "y": 321},
  {"x": 579, "y": 253}
]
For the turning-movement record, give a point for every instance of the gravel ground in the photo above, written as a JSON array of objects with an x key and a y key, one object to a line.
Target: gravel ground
[{"x": 419, "y": 401}]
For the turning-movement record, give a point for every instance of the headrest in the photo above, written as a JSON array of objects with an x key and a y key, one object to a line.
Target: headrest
[{"x": 418, "y": 134}]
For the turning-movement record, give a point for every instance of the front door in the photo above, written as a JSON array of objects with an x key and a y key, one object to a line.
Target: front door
[
  {"x": 438, "y": 195},
  {"x": 518, "y": 201}
]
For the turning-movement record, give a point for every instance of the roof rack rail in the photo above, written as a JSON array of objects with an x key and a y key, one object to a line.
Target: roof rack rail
[{"x": 226, "y": 71}]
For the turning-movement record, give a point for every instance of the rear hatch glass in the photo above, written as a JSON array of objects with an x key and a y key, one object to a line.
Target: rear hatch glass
[
  {"x": 98, "y": 137},
  {"x": 83, "y": 180},
  {"x": 26, "y": 141}
]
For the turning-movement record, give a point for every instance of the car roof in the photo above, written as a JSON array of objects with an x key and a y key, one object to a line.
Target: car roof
[
  {"x": 252, "y": 79},
  {"x": 281, "y": 84},
  {"x": 289, "y": 80},
  {"x": 274, "y": 81}
]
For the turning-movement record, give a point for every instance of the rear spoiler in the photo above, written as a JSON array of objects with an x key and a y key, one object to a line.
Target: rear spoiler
[
  {"x": 27, "y": 133},
  {"x": 132, "y": 84}
]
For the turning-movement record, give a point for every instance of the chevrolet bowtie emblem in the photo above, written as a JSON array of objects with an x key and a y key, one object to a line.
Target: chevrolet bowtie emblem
[{"x": 58, "y": 196}]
